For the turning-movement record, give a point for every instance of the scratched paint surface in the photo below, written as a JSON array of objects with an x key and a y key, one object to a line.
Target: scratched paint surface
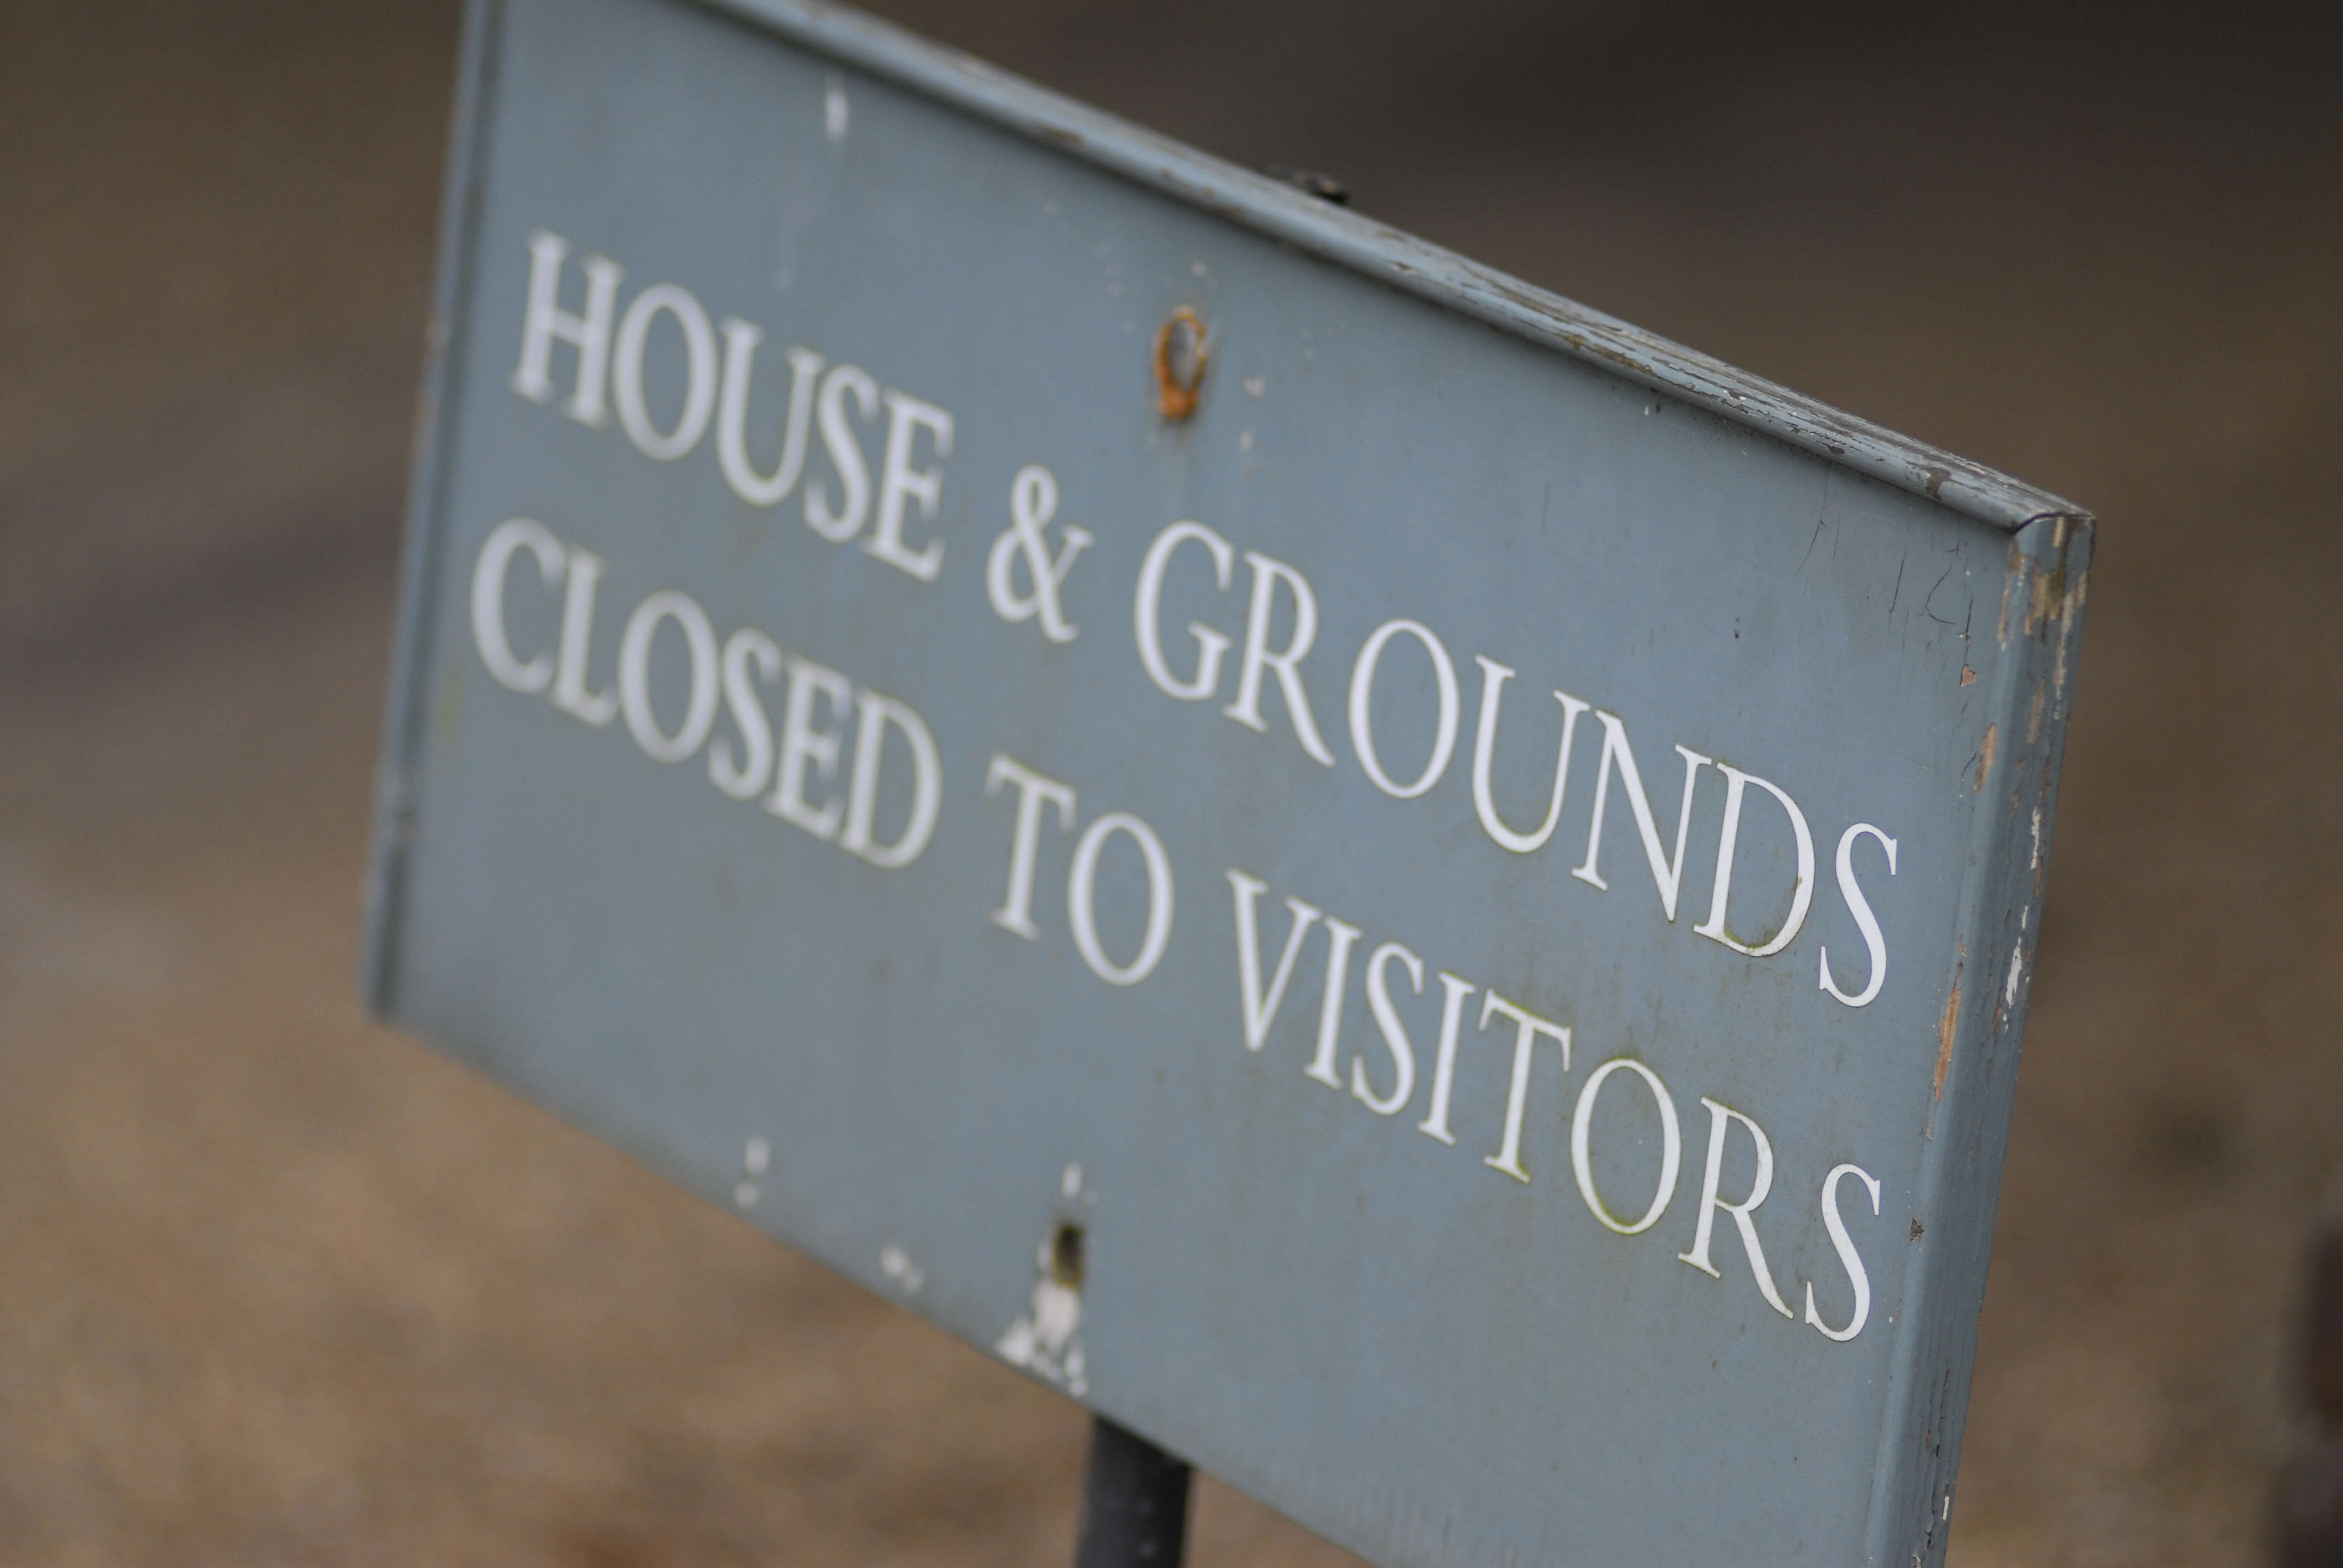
[{"x": 1371, "y": 1320}]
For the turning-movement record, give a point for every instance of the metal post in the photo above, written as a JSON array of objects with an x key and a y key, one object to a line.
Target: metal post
[{"x": 1134, "y": 1503}]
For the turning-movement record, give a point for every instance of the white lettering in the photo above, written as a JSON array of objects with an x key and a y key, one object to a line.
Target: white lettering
[
  {"x": 1145, "y": 614},
  {"x": 744, "y": 779},
  {"x": 634, "y": 676},
  {"x": 488, "y": 599},
  {"x": 1849, "y": 1259},
  {"x": 1671, "y": 1145},
  {"x": 1508, "y": 1158},
  {"x": 1339, "y": 935},
  {"x": 862, "y": 797},
  {"x": 569, "y": 693},
  {"x": 1721, "y": 1116},
  {"x": 1864, "y": 921},
  {"x": 1033, "y": 502},
  {"x": 1080, "y": 890},
  {"x": 1363, "y": 682},
  {"x": 1246, "y": 709},
  {"x": 1494, "y": 677},
  {"x": 1033, "y": 791},
  {"x": 845, "y": 456},
  {"x": 899, "y": 482},
  {"x": 1261, "y": 1012},
  {"x": 1443, "y": 1067},
  {"x": 741, "y": 341},
  {"x": 1714, "y": 927},
  {"x": 589, "y": 334},
  {"x": 627, "y": 372},
  {"x": 1394, "y": 1033},
  {"x": 1668, "y": 875},
  {"x": 803, "y": 742}
]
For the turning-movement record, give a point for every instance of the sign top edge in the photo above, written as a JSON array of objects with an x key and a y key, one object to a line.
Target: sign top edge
[{"x": 1377, "y": 250}]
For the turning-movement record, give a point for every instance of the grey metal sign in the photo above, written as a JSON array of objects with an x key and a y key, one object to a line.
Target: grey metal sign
[{"x": 1421, "y": 896}]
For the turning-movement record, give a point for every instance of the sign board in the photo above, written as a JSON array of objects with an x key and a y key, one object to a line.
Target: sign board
[{"x": 1416, "y": 894}]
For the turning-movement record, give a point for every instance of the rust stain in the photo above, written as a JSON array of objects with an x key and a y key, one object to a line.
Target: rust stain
[
  {"x": 2048, "y": 592},
  {"x": 2034, "y": 720},
  {"x": 2009, "y": 581},
  {"x": 1985, "y": 753},
  {"x": 1968, "y": 675},
  {"x": 1945, "y": 1032},
  {"x": 1179, "y": 355}
]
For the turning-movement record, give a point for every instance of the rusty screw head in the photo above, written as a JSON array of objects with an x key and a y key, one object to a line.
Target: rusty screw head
[{"x": 1180, "y": 355}]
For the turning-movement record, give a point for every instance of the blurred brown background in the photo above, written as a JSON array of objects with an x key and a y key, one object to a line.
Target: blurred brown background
[{"x": 277, "y": 1285}]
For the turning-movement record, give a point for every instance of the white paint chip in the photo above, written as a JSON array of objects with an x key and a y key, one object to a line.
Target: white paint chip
[
  {"x": 834, "y": 110},
  {"x": 2016, "y": 968},
  {"x": 897, "y": 1265},
  {"x": 1070, "y": 1184},
  {"x": 756, "y": 1156},
  {"x": 1046, "y": 1338},
  {"x": 745, "y": 1194},
  {"x": 1256, "y": 385},
  {"x": 1244, "y": 442}
]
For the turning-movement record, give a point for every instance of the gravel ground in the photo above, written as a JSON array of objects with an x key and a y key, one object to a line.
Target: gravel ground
[{"x": 278, "y": 1285}]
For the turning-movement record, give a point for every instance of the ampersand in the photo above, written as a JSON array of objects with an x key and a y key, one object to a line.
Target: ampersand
[{"x": 1033, "y": 502}]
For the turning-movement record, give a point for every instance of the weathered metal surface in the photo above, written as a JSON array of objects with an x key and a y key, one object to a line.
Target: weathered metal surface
[{"x": 1048, "y": 803}]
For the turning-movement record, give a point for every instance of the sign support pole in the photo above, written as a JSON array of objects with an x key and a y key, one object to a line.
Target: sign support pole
[{"x": 1134, "y": 1502}]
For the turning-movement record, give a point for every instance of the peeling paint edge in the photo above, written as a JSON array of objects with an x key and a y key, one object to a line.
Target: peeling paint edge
[
  {"x": 1945, "y": 1032},
  {"x": 1967, "y": 1117}
]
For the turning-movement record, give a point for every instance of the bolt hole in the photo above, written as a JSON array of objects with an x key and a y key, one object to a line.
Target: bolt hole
[
  {"x": 1179, "y": 355},
  {"x": 1069, "y": 1254}
]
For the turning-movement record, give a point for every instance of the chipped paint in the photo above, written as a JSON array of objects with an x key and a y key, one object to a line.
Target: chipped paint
[
  {"x": 2017, "y": 974},
  {"x": 2044, "y": 596},
  {"x": 897, "y": 1265},
  {"x": 756, "y": 1157},
  {"x": 835, "y": 111},
  {"x": 1945, "y": 1032},
  {"x": 1045, "y": 1338},
  {"x": 1985, "y": 753}
]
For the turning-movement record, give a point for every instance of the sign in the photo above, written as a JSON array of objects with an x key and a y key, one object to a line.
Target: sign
[{"x": 1420, "y": 896}]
